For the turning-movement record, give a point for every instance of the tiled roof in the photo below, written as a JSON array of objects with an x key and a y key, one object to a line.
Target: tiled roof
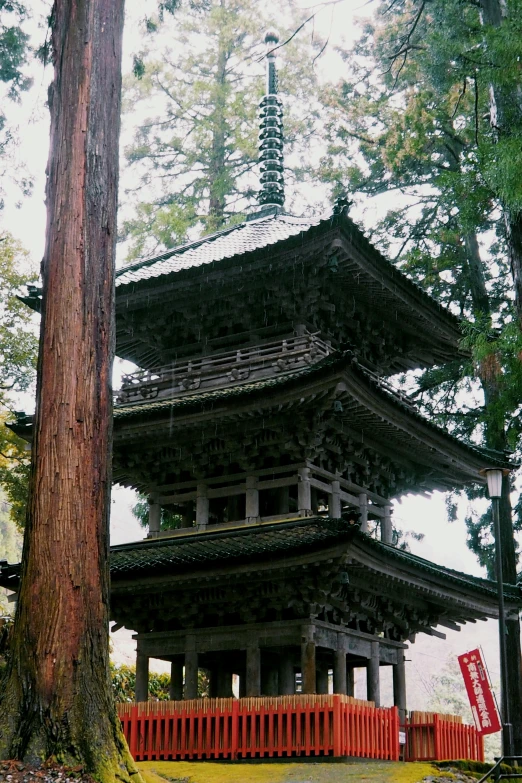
[
  {"x": 466, "y": 581},
  {"x": 232, "y": 241},
  {"x": 335, "y": 361},
  {"x": 206, "y": 401},
  {"x": 225, "y": 547},
  {"x": 183, "y": 553}
]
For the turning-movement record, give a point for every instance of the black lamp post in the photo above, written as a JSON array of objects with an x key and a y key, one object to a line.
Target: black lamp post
[{"x": 494, "y": 478}]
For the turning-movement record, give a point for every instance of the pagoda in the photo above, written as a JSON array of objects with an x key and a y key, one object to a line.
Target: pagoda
[{"x": 262, "y": 417}]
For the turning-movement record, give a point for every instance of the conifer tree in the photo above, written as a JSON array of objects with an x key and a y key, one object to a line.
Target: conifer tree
[{"x": 196, "y": 148}]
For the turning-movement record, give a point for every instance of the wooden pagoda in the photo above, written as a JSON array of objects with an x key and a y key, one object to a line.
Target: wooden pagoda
[{"x": 262, "y": 417}]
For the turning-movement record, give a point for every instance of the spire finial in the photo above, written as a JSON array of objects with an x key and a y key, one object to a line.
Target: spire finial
[{"x": 271, "y": 133}]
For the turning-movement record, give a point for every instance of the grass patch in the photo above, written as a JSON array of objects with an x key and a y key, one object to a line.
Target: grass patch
[{"x": 294, "y": 772}]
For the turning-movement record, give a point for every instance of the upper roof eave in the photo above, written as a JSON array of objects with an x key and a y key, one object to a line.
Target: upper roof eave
[{"x": 135, "y": 274}]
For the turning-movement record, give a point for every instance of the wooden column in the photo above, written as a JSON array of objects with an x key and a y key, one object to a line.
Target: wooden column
[
  {"x": 308, "y": 671},
  {"x": 286, "y": 675},
  {"x": 202, "y": 506},
  {"x": 350, "y": 680},
  {"x": 339, "y": 670},
  {"x": 372, "y": 676},
  {"x": 386, "y": 526},
  {"x": 304, "y": 494},
  {"x": 334, "y": 501},
  {"x": 191, "y": 669},
  {"x": 252, "y": 499},
  {"x": 322, "y": 679},
  {"x": 253, "y": 669},
  {"x": 142, "y": 677},
  {"x": 399, "y": 685},
  {"x": 363, "y": 508},
  {"x": 154, "y": 516},
  {"x": 176, "y": 680}
]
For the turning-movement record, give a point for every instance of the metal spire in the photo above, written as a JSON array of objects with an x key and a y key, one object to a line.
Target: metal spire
[{"x": 272, "y": 191}]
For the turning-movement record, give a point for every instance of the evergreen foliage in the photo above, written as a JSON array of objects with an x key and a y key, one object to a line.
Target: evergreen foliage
[
  {"x": 123, "y": 678},
  {"x": 18, "y": 353},
  {"x": 196, "y": 149}
]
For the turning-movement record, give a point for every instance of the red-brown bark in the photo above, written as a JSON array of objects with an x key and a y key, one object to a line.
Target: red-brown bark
[{"x": 57, "y": 699}]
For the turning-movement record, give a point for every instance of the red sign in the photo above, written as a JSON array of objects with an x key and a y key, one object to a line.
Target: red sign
[{"x": 483, "y": 706}]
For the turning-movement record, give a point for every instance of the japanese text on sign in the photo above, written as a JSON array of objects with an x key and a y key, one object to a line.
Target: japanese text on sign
[{"x": 483, "y": 707}]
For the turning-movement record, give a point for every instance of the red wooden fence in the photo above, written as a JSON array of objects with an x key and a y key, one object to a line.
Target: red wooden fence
[
  {"x": 433, "y": 737},
  {"x": 283, "y": 726}
]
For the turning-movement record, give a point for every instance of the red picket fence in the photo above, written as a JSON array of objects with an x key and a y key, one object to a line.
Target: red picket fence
[
  {"x": 282, "y": 726},
  {"x": 432, "y": 737}
]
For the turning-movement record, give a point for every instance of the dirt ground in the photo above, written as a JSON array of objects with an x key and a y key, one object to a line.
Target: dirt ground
[{"x": 349, "y": 772}]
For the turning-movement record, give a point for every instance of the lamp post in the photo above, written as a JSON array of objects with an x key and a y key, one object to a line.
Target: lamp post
[{"x": 494, "y": 478}]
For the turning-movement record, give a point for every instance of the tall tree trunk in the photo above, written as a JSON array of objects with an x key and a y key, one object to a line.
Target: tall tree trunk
[
  {"x": 217, "y": 174},
  {"x": 495, "y": 435},
  {"x": 57, "y": 699},
  {"x": 506, "y": 117}
]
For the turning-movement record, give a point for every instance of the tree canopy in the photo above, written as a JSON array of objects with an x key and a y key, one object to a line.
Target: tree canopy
[{"x": 194, "y": 154}]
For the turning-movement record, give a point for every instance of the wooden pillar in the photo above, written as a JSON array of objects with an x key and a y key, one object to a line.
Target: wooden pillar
[
  {"x": 176, "y": 680},
  {"x": 339, "y": 669},
  {"x": 202, "y": 506},
  {"x": 386, "y": 526},
  {"x": 252, "y": 499},
  {"x": 350, "y": 680},
  {"x": 187, "y": 518},
  {"x": 308, "y": 671},
  {"x": 191, "y": 669},
  {"x": 399, "y": 685},
  {"x": 253, "y": 669},
  {"x": 372, "y": 676},
  {"x": 142, "y": 677},
  {"x": 304, "y": 493},
  {"x": 322, "y": 678},
  {"x": 363, "y": 508},
  {"x": 154, "y": 516},
  {"x": 334, "y": 501},
  {"x": 286, "y": 674}
]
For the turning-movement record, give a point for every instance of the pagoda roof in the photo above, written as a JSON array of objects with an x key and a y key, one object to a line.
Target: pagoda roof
[
  {"x": 172, "y": 561},
  {"x": 388, "y": 406},
  {"x": 237, "y": 242},
  {"x": 250, "y": 277},
  {"x": 230, "y": 242},
  {"x": 277, "y": 539}
]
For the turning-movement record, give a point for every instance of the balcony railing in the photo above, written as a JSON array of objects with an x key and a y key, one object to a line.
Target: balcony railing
[{"x": 223, "y": 369}]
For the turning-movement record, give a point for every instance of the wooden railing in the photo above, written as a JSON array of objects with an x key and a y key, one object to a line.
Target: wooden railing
[
  {"x": 433, "y": 737},
  {"x": 223, "y": 369},
  {"x": 265, "y": 727}
]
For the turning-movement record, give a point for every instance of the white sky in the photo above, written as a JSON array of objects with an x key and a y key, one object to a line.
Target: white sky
[{"x": 444, "y": 542}]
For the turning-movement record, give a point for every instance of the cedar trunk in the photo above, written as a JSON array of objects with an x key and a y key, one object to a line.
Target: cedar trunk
[{"x": 57, "y": 700}]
